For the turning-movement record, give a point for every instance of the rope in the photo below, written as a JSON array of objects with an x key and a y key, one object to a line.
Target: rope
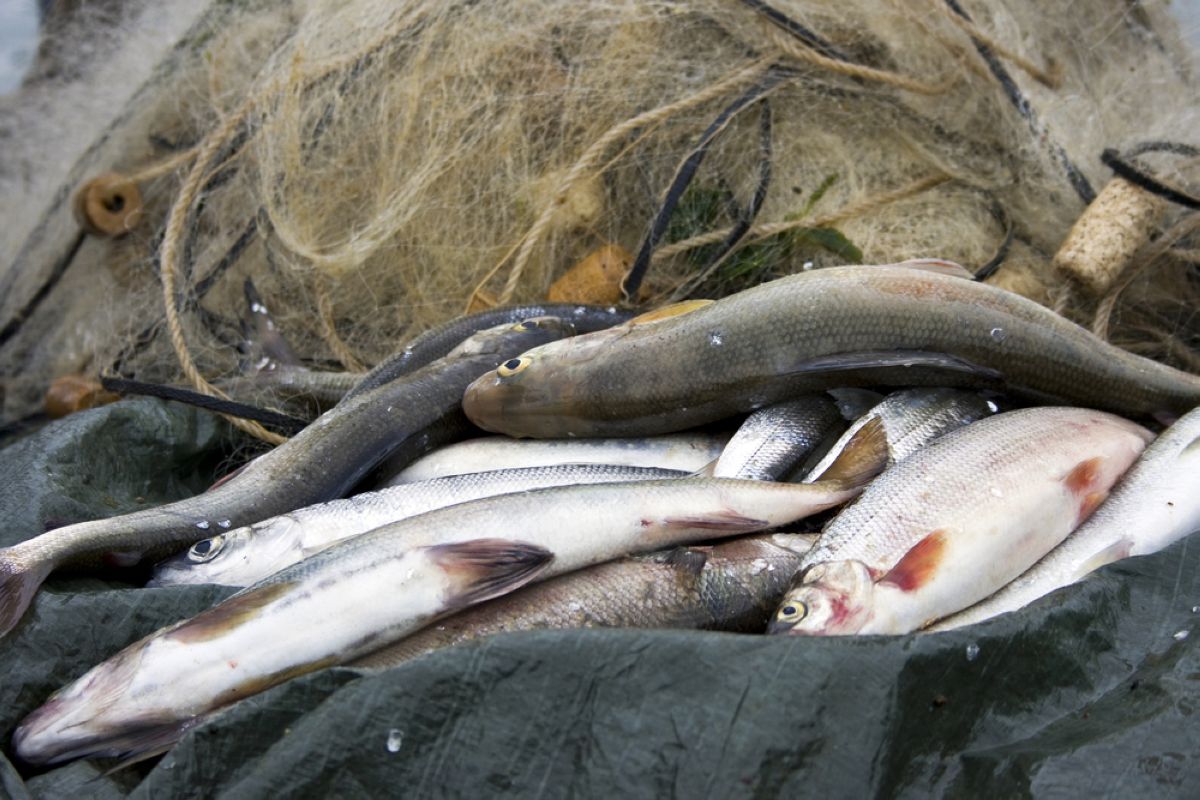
[
  {"x": 169, "y": 264},
  {"x": 329, "y": 331}
]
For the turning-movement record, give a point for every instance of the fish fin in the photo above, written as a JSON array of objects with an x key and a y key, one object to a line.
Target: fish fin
[
  {"x": 485, "y": 568},
  {"x": 1114, "y": 552},
  {"x": 1083, "y": 475},
  {"x": 718, "y": 521},
  {"x": 18, "y": 585},
  {"x": 1091, "y": 501},
  {"x": 668, "y": 311},
  {"x": 919, "y": 564},
  {"x": 892, "y": 359},
  {"x": 864, "y": 456},
  {"x": 938, "y": 266},
  {"x": 263, "y": 347},
  {"x": 687, "y": 559},
  {"x": 1193, "y": 448},
  {"x": 707, "y": 470},
  {"x": 230, "y": 614},
  {"x": 228, "y": 476},
  {"x": 149, "y": 743}
]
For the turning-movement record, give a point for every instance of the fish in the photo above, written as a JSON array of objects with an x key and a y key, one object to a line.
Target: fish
[
  {"x": 909, "y": 324},
  {"x": 774, "y": 439},
  {"x": 913, "y": 418},
  {"x": 732, "y": 586},
  {"x": 439, "y": 340},
  {"x": 368, "y": 591},
  {"x": 248, "y": 554},
  {"x": 1156, "y": 503},
  {"x": 952, "y": 523},
  {"x": 405, "y": 417},
  {"x": 689, "y": 452}
]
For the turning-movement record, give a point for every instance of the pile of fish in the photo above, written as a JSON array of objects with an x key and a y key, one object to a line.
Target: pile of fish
[{"x": 674, "y": 448}]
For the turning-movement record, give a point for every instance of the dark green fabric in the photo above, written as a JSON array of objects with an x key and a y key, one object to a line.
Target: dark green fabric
[{"x": 1089, "y": 693}]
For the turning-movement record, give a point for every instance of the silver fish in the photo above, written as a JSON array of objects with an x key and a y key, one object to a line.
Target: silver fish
[
  {"x": 913, "y": 418},
  {"x": 733, "y": 586},
  {"x": 246, "y": 555},
  {"x": 688, "y": 452},
  {"x": 774, "y": 439},
  {"x": 954, "y": 522},
  {"x": 1155, "y": 504},
  {"x": 374, "y": 589}
]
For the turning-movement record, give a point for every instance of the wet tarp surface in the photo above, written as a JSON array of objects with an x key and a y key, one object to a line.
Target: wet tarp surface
[{"x": 1090, "y": 692}]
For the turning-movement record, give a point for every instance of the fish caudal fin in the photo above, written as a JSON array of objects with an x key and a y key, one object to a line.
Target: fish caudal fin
[
  {"x": 481, "y": 569},
  {"x": 864, "y": 456},
  {"x": 18, "y": 584}
]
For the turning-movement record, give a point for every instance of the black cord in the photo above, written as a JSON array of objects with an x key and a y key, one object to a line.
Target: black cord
[
  {"x": 1124, "y": 167},
  {"x": 60, "y": 269},
  {"x": 1077, "y": 179},
  {"x": 683, "y": 178},
  {"x": 993, "y": 263},
  {"x": 797, "y": 30}
]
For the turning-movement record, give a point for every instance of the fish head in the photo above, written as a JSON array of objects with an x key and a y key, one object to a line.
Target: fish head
[
  {"x": 831, "y": 598},
  {"x": 532, "y": 394},
  {"x": 503, "y": 340},
  {"x": 222, "y": 558},
  {"x": 85, "y": 719}
]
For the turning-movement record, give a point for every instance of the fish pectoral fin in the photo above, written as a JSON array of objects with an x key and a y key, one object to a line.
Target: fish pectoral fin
[
  {"x": 718, "y": 521},
  {"x": 18, "y": 585},
  {"x": 938, "y": 266},
  {"x": 481, "y": 569},
  {"x": 707, "y": 470},
  {"x": 864, "y": 456},
  {"x": 918, "y": 566},
  {"x": 892, "y": 359}
]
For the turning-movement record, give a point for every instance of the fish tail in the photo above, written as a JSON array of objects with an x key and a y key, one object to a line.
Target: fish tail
[
  {"x": 18, "y": 584},
  {"x": 485, "y": 568},
  {"x": 864, "y": 456}
]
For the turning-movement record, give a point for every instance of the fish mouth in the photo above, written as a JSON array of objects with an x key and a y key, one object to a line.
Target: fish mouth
[{"x": 512, "y": 408}]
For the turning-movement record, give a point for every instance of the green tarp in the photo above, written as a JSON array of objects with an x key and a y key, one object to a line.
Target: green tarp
[{"x": 1091, "y": 692}]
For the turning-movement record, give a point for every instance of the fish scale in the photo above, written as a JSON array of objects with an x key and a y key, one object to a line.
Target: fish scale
[{"x": 813, "y": 331}]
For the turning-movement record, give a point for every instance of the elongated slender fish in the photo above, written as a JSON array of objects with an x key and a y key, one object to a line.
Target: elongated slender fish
[
  {"x": 954, "y": 522},
  {"x": 438, "y": 341},
  {"x": 688, "y": 452},
  {"x": 371, "y": 590},
  {"x": 1155, "y": 504},
  {"x": 320, "y": 463},
  {"x": 733, "y": 586},
  {"x": 843, "y": 326},
  {"x": 249, "y": 554},
  {"x": 913, "y": 418},
  {"x": 774, "y": 439}
]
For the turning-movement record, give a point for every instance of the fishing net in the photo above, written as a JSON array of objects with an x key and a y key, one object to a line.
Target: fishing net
[{"x": 377, "y": 167}]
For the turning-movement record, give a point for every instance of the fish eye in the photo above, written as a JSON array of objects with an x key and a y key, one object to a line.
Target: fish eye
[
  {"x": 527, "y": 325},
  {"x": 793, "y": 612},
  {"x": 206, "y": 549},
  {"x": 513, "y": 366}
]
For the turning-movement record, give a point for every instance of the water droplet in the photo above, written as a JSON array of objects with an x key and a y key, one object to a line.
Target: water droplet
[
  {"x": 715, "y": 339},
  {"x": 389, "y": 409},
  {"x": 999, "y": 334},
  {"x": 1181, "y": 635},
  {"x": 395, "y": 738},
  {"x": 1196, "y": 609},
  {"x": 202, "y": 524},
  {"x": 575, "y": 605},
  {"x": 225, "y": 523},
  {"x": 806, "y": 266},
  {"x": 992, "y": 406},
  {"x": 972, "y": 651},
  {"x": 995, "y": 492}
]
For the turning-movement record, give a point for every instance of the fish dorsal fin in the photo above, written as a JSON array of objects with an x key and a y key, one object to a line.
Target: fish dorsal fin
[
  {"x": 939, "y": 266},
  {"x": 668, "y": 311}
]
